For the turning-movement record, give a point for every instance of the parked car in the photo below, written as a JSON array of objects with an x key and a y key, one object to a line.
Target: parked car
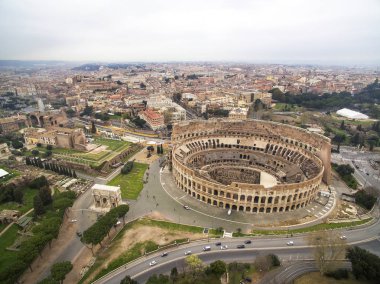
[
  {"x": 218, "y": 244},
  {"x": 186, "y": 207},
  {"x": 343, "y": 237},
  {"x": 290, "y": 243},
  {"x": 152, "y": 263},
  {"x": 164, "y": 254},
  {"x": 240, "y": 246},
  {"x": 247, "y": 242},
  {"x": 224, "y": 247},
  {"x": 188, "y": 252}
]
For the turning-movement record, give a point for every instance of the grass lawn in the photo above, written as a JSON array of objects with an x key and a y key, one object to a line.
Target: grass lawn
[
  {"x": 316, "y": 277},
  {"x": 6, "y": 240},
  {"x": 318, "y": 227},
  {"x": 132, "y": 183},
  {"x": 171, "y": 226},
  {"x": 28, "y": 202},
  {"x": 113, "y": 145}
]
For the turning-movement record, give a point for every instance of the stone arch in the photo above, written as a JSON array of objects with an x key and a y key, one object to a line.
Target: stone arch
[
  {"x": 267, "y": 210},
  {"x": 249, "y": 198},
  {"x": 248, "y": 209},
  {"x": 254, "y": 210},
  {"x": 215, "y": 203},
  {"x": 228, "y": 206},
  {"x": 234, "y": 207},
  {"x": 261, "y": 210},
  {"x": 241, "y": 208},
  {"x": 208, "y": 201},
  {"x": 242, "y": 197}
]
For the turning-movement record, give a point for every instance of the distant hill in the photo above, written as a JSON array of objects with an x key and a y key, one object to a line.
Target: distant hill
[
  {"x": 33, "y": 63},
  {"x": 96, "y": 66}
]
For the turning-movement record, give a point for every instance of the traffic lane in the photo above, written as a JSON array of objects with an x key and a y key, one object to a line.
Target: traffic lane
[{"x": 142, "y": 271}]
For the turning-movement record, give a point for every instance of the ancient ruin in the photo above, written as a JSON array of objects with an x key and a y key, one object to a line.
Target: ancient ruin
[{"x": 251, "y": 166}]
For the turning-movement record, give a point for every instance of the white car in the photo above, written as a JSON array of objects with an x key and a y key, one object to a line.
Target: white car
[
  {"x": 188, "y": 252},
  {"x": 152, "y": 263},
  {"x": 343, "y": 237},
  {"x": 290, "y": 243},
  {"x": 223, "y": 247},
  {"x": 73, "y": 220},
  {"x": 186, "y": 207}
]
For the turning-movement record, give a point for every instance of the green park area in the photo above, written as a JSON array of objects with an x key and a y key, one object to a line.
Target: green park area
[
  {"x": 29, "y": 194},
  {"x": 132, "y": 183},
  {"x": 6, "y": 240},
  {"x": 92, "y": 158}
]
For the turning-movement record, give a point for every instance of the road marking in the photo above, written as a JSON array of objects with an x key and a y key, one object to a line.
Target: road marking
[{"x": 182, "y": 196}]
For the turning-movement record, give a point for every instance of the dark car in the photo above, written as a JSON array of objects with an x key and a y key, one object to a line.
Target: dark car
[
  {"x": 218, "y": 244},
  {"x": 247, "y": 242},
  {"x": 240, "y": 246},
  {"x": 164, "y": 254},
  {"x": 79, "y": 234}
]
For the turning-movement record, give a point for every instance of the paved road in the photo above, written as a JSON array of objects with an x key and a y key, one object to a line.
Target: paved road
[
  {"x": 141, "y": 270},
  {"x": 364, "y": 172},
  {"x": 85, "y": 218}
]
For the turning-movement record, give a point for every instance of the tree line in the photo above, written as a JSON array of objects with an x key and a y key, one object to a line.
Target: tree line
[
  {"x": 50, "y": 166},
  {"x": 95, "y": 234},
  {"x": 43, "y": 233}
]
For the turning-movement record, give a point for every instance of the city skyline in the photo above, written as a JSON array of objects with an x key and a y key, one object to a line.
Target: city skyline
[{"x": 291, "y": 32}]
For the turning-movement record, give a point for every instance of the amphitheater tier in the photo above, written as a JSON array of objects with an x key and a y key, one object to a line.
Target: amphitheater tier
[{"x": 251, "y": 166}]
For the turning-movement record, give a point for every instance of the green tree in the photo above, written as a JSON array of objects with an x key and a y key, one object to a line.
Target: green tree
[
  {"x": 38, "y": 206},
  {"x": 45, "y": 195},
  {"x": 160, "y": 279},
  {"x": 60, "y": 269},
  {"x": 17, "y": 144},
  {"x": 121, "y": 211},
  {"x": 365, "y": 265},
  {"x": 128, "y": 280},
  {"x": 342, "y": 125},
  {"x": 49, "y": 147},
  {"x": 93, "y": 127},
  {"x": 218, "y": 268},
  {"x": 174, "y": 274},
  {"x": 35, "y": 152},
  {"x": 18, "y": 195},
  {"x": 338, "y": 139}
]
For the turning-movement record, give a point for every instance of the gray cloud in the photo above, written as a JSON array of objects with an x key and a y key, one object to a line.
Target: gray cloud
[{"x": 334, "y": 31}]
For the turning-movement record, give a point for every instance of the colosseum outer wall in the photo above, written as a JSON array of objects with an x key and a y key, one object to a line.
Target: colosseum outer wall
[{"x": 200, "y": 147}]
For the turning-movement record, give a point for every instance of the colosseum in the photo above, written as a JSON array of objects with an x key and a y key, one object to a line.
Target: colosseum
[{"x": 251, "y": 166}]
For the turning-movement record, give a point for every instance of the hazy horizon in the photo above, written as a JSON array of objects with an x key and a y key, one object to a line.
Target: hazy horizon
[{"x": 336, "y": 32}]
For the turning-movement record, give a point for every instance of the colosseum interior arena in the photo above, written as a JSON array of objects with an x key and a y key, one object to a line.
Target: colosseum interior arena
[{"x": 250, "y": 166}]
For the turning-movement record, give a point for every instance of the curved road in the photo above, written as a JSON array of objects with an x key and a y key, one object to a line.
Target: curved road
[{"x": 367, "y": 237}]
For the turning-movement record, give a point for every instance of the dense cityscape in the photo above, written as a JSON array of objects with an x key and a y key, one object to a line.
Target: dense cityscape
[{"x": 216, "y": 163}]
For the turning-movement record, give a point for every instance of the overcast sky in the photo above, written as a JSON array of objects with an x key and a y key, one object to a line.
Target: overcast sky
[{"x": 282, "y": 31}]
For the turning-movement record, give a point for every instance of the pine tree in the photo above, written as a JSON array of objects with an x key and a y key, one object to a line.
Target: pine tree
[
  {"x": 27, "y": 161},
  {"x": 38, "y": 205}
]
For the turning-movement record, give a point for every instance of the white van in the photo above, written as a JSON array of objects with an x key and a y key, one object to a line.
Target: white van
[{"x": 229, "y": 212}]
